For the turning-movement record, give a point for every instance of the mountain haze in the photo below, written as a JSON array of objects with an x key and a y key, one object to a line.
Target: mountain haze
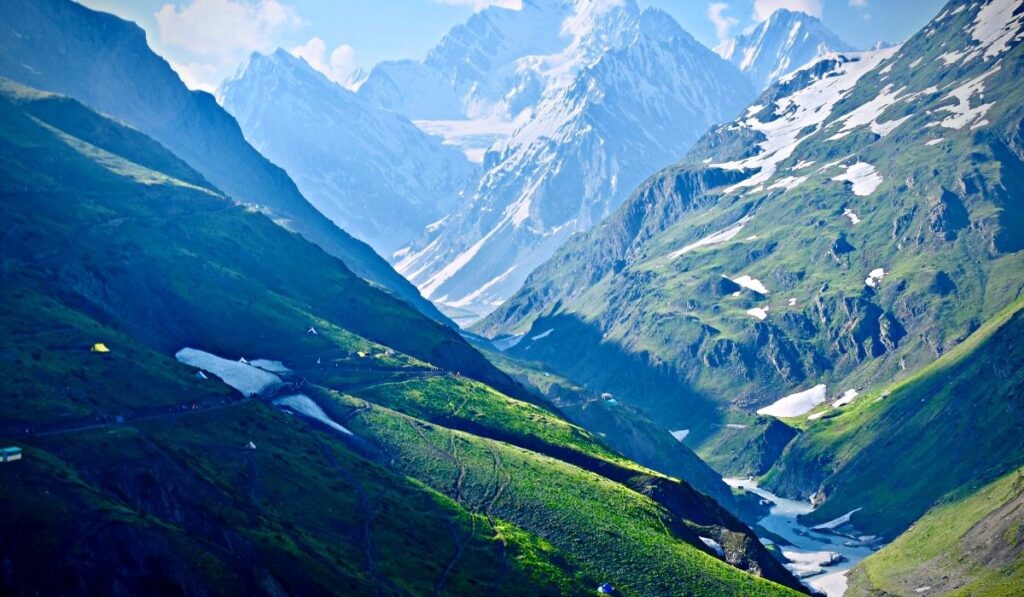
[
  {"x": 104, "y": 62},
  {"x": 371, "y": 171}
]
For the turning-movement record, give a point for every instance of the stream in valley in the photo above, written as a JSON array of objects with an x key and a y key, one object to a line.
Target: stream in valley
[{"x": 822, "y": 558}]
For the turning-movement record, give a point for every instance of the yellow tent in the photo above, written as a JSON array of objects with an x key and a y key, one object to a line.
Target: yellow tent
[{"x": 100, "y": 347}]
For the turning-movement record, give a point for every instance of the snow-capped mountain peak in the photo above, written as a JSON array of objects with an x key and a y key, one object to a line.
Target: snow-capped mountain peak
[{"x": 784, "y": 42}]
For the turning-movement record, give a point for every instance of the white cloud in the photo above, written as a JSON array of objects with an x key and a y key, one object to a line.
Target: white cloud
[
  {"x": 337, "y": 67},
  {"x": 723, "y": 24},
  {"x": 859, "y": 3},
  {"x": 482, "y": 4},
  {"x": 217, "y": 35},
  {"x": 764, "y": 8}
]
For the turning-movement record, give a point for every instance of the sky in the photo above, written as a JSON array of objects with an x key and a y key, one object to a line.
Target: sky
[{"x": 206, "y": 40}]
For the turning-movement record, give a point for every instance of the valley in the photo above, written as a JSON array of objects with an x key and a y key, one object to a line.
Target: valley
[{"x": 566, "y": 301}]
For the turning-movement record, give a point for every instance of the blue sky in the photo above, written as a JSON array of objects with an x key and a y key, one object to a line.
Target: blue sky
[{"x": 205, "y": 40}]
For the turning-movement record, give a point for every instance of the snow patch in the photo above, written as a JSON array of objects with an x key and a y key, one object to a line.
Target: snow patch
[
  {"x": 543, "y": 335},
  {"x": 680, "y": 434},
  {"x": 996, "y": 26},
  {"x": 874, "y": 277},
  {"x": 719, "y": 237},
  {"x": 962, "y": 112},
  {"x": 862, "y": 176},
  {"x": 935, "y": 141},
  {"x": 751, "y": 283},
  {"x": 305, "y": 406},
  {"x": 241, "y": 376},
  {"x": 758, "y": 312},
  {"x": 854, "y": 218},
  {"x": 848, "y": 397},
  {"x": 796, "y": 404}
]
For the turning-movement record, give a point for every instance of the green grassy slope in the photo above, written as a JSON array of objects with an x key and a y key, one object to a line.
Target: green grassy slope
[
  {"x": 971, "y": 544},
  {"x": 102, "y": 245},
  {"x": 954, "y": 424},
  {"x": 622, "y": 427},
  {"x": 181, "y": 504},
  {"x": 614, "y": 533}
]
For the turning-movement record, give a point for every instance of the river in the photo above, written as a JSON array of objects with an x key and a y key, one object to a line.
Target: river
[{"x": 809, "y": 545}]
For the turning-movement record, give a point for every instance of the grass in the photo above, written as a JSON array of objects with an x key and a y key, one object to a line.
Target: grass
[
  {"x": 611, "y": 532},
  {"x": 964, "y": 546}
]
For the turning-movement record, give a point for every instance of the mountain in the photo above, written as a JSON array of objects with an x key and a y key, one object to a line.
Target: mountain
[
  {"x": 370, "y": 170},
  {"x": 103, "y": 61},
  {"x": 634, "y": 93},
  {"x": 972, "y": 544},
  {"x": 786, "y": 41},
  {"x": 890, "y": 437},
  {"x": 196, "y": 414},
  {"x": 857, "y": 222}
]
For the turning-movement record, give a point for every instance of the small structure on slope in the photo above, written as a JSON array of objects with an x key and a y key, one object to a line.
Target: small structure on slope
[
  {"x": 10, "y": 454},
  {"x": 99, "y": 347}
]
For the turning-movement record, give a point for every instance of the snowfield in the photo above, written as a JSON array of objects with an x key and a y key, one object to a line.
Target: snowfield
[
  {"x": 796, "y": 404},
  {"x": 243, "y": 377}
]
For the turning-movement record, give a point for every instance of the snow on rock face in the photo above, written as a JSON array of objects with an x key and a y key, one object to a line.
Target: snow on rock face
[
  {"x": 243, "y": 377},
  {"x": 963, "y": 113},
  {"x": 784, "y": 42},
  {"x": 722, "y": 236},
  {"x": 796, "y": 404},
  {"x": 862, "y": 176},
  {"x": 609, "y": 92},
  {"x": 997, "y": 25},
  {"x": 305, "y": 406},
  {"x": 798, "y": 115},
  {"x": 869, "y": 112},
  {"x": 680, "y": 434}
]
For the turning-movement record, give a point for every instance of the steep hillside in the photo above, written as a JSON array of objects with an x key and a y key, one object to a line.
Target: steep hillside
[
  {"x": 104, "y": 62},
  {"x": 112, "y": 265},
  {"x": 972, "y": 544},
  {"x": 627, "y": 92},
  {"x": 855, "y": 223},
  {"x": 880, "y": 457},
  {"x": 784, "y": 42},
  {"x": 370, "y": 170}
]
